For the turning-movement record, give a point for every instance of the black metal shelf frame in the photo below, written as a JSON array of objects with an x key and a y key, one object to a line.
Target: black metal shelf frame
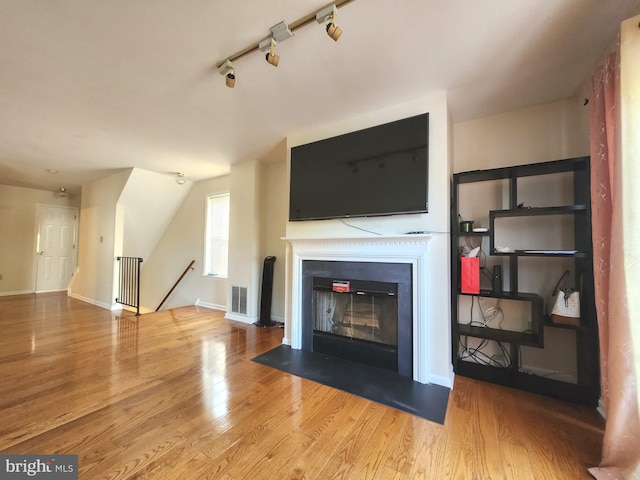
[{"x": 587, "y": 389}]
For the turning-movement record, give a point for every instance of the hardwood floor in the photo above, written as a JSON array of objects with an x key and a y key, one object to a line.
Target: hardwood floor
[{"x": 175, "y": 395}]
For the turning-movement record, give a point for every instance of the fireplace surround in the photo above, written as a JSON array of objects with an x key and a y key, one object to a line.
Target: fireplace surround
[{"x": 423, "y": 254}]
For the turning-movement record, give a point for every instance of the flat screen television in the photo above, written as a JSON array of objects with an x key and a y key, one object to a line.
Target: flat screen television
[{"x": 382, "y": 170}]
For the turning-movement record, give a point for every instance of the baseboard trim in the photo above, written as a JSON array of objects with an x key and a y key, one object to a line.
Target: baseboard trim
[
  {"x": 91, "y": 301},
  {"x": 213, "y": 306},
  {"x": 17, "y": 292},
  {"x": 240, "y": 318},
  {"x": 442, "y": 380}
]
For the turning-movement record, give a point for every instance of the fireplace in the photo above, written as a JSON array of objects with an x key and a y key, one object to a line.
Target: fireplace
[
  {"x": 425, "y": 256},
  {"x": 359, "y": 311}
]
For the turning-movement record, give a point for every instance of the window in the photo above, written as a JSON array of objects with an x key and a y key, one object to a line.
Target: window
[{"x": 216, "y": 246}]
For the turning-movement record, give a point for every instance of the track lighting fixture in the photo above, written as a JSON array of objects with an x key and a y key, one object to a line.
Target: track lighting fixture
[
  {"x": 281, "y": 32},
  {"x": 270, "y": 57},
  {"x": 328, "y": 16},
  {"x": 180, "y": 178},
  {"x": 226, "y": 69}
]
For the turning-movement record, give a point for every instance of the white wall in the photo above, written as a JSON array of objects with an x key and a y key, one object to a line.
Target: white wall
[
  {"x": 534, "y": 134},
  {"x": 18, "y": 229},
  {"x": 181, "y": 242},
  {"x": 94, "y": 279},
  {"x": 149, "y": 201},
  {"x": 246, "y": 234},
  {"x": 277, "y": 210}
]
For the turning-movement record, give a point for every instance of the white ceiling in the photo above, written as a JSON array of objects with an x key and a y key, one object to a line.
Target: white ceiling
[{"x": 88, "y": 87}]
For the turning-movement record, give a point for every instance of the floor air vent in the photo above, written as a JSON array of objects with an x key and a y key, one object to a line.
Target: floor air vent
[{"x": 239, "y": 300}]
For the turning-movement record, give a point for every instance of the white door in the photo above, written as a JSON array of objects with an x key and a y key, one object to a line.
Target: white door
[{"x": 55, "y": 247}]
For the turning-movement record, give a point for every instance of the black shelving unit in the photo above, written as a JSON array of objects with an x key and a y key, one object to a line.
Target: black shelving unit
[{"x": 584, "y": 386}]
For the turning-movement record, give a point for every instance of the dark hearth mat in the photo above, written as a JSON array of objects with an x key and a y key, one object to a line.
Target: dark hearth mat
[{"x": 387, "y": 388}]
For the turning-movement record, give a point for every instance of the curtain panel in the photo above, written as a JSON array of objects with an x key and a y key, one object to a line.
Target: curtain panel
[{"x": 612, "y": 200}]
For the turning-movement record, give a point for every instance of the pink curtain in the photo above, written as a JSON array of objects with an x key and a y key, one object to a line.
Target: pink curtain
[{"x": 621, "y": 448}]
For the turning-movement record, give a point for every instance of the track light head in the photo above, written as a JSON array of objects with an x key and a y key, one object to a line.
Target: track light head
[
  {"x": 334, "y": 31},
  {"x": 270, "y": 57},
  {"x": 230, "y": 80},
  {"x": 328, "y": 16},
  {"x": 226, "y": 69}
]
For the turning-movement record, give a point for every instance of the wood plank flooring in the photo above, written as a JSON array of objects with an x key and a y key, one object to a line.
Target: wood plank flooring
[{"x": 174, "y": 395}]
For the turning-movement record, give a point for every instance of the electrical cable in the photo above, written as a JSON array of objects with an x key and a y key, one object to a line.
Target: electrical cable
[
  {"x": 359, "y": 228},
  {"x": 430, "y": 232},
  {"x": 487, "y": 315},
  {"x": 492, "y": 313},
  {"x": 477, "y": 354}
]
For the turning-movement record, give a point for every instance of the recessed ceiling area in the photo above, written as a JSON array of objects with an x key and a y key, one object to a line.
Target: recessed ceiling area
[{"x": 90, "y": 88}]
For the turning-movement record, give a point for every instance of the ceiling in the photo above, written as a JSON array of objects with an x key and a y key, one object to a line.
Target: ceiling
[{"x": 90, "y": 87}]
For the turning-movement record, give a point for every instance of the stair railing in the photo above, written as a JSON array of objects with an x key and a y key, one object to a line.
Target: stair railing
[{"x": 190, "y": 267}]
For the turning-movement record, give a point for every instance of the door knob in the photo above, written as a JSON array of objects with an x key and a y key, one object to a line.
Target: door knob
[{"x": 40, "y": 253}]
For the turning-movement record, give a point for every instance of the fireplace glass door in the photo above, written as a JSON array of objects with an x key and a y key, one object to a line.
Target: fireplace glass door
[{"x": 357, "y": 320}]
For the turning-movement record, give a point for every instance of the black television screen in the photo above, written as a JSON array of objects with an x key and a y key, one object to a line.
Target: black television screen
[{"x": 382, "y": 170}]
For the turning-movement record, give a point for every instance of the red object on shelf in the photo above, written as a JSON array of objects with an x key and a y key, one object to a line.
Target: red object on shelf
[{"x": 469, "y": 275}]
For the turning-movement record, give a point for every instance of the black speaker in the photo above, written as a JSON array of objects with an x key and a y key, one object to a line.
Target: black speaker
[{"x": 266, "y": 294}]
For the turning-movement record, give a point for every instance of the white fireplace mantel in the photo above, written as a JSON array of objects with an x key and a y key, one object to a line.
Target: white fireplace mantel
[{"x": 416, "y": 250}]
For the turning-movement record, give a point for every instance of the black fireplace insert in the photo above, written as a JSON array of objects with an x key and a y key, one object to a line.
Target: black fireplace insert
[{"x": 359, "y": 311}]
